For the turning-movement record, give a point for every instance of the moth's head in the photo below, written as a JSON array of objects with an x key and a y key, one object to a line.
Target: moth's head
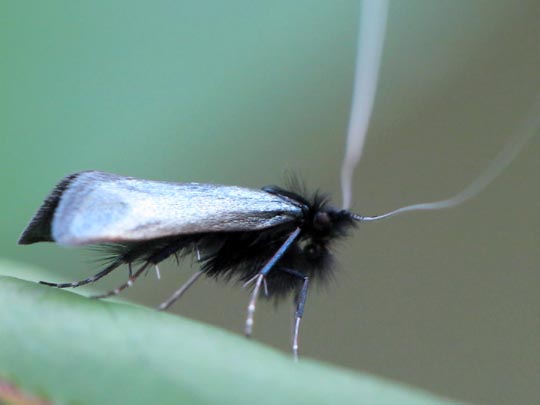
[
  {"x": 331, "y": 222},
  {"x": 320, "y": 220},
  {"x": 325, "y": 222},
  {"x": 322, "y": 225}
]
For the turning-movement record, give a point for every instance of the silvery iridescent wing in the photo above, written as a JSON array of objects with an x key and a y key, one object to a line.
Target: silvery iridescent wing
[{"x": 97, "y": 207}]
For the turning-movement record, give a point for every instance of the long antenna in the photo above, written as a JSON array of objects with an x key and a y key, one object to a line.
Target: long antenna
[
  {"x": 530, "y": 128},
  {"x": 373, "y": 15}
]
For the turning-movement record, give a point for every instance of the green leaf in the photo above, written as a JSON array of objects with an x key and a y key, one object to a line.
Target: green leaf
[{"x": 66, "y": 348}]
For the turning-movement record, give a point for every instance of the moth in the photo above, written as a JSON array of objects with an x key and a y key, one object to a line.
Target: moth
[{"x": 275, "y": 239}]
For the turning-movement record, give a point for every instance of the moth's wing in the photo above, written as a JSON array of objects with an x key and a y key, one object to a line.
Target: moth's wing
[{"x": 96, "y": 207}]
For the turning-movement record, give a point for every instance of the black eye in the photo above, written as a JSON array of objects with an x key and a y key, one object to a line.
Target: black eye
[{"x": 321, "y": 220}]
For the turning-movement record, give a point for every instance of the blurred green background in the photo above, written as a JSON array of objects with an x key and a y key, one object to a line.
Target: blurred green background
[{"x": 238, "y": 92}]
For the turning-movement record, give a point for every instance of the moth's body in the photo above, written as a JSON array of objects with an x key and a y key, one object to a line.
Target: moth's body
[{"x": 277, "y": 236}]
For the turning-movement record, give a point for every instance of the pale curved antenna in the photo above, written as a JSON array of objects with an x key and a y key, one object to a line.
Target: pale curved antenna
[
  {"x": 501, "y": 162},
  {"x": 373, "y": 16}
]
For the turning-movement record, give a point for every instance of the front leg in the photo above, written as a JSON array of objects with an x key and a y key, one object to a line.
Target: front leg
[
  {"x": 300, "y": 305},
  {"x": 260, "y": 279}
]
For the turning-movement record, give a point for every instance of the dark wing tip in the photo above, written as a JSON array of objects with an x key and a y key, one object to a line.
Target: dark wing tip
[{"x": 39, "y": 228}]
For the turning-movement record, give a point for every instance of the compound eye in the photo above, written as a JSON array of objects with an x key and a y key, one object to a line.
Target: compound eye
[{"x": 321, "y": 220}]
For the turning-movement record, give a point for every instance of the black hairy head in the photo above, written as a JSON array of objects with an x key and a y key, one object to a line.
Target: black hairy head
[
  {"x": 321, "y": 224},
  {"x": 319, "y": 219}
]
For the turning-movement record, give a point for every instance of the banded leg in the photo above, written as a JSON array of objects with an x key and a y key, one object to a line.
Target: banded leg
[
  {"x": 300, "y": 306},
  {"x": 88, "y": 280},
  {"x": 259, "y": 280},
  {"x": 178, "y": 293},
  {"x": 154, "y": 259},
  {"x": 127, "y": 284},
  {"x": 252, "y": 304}
]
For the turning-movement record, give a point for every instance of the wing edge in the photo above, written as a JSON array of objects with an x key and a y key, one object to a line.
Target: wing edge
[{"x": 39, "y": 227}]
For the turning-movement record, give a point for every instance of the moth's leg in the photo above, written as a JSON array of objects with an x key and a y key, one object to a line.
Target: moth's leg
[
  {"x": 158, "y": 272},
  {"x": 300, "y": 305},
  {"x": 259, "y": 279},
  {"x": 252, "y": 304},
  {"x": 127, "y": 284},
  {"x": 178, "y": 293},
  {"x": 88, "y": 280},
  {"x": 154, "y": 259}
]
